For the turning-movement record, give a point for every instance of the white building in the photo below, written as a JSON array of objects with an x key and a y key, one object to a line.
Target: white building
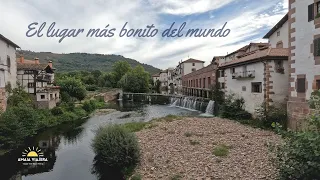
[
  {"x": 304, "y": 45},
  {"x": 37, "y": 79},
  {"x": 8, "y": 68},
  {"x": 257, "y": 73},
  {"x": 184, "y": 68}
]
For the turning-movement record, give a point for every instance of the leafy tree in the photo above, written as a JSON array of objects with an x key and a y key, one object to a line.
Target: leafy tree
[
  {"x": 96, "y": 73},
  {"x": 73, "y": 87},
  {"x": 135, "y": 81},
  {"x": 119, "y": 69},
  {"x": 157, "y": 86},
  {"x": 19, "y": 96}
]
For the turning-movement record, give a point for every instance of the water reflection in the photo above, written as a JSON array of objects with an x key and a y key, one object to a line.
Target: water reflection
[{"x": 68, "y": 149}]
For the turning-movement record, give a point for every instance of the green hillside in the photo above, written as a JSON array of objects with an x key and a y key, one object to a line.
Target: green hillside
[{"x": 83, "y": 61}]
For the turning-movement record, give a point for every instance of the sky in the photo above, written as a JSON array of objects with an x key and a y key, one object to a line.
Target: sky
[{"x": 248, "y": 21}]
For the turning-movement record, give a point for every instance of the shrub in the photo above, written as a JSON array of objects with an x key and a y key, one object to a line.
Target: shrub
[
  {"x": 299, "y": 156},
  {"x": 57, "y": 111},
  {"x": 233, "y": 108},
  {"x": 91, "y": 87},
  {"x": 117, "y": 152},
  {"x": 221, "y": 150},
  {"x": 276, "y": 114}
]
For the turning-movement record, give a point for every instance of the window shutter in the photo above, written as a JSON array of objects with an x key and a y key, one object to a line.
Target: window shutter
[
  {"x": 301, "y": 85},
  {"x": 316, "y": 43},
  {"x": 311, "y": 12}
]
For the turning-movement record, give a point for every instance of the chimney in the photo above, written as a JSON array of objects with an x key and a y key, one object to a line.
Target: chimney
[
  {"x": 21, "y": 59},
  {"x": 36, "y": 60},
  {"x": 50, "y": 64}
]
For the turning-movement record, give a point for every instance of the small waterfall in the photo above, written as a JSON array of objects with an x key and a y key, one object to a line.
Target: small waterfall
[
  {"x": 194, "y": 106},
  {"x": 120, "y": 95},
  {"x": 210, "y": 108}
]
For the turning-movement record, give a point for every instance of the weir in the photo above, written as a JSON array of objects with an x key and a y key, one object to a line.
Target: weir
[{"x": 191, "y": 103}]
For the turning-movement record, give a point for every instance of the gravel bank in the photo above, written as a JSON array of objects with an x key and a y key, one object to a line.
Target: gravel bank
[{"x": 183, "y": 149}]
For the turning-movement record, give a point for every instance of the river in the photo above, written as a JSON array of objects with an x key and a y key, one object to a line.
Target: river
[{"x": 68, "y": 147}]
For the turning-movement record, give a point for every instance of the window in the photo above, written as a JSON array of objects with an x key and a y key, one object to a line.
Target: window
[
  {"x": 278, "y": 33},
  {"x": 233, "y": 70},
  {"x": 30, "y": 85},
  {"x": 301, "y": 83},
  {"x": 51, "y": 96},
  {"x": 222, "y": 73},
  {"x": 316, "y": 43},
  {"x": 209, "y": 81},
  {"x": 193, "y": 69},
  {"x": 256, "y": 87},
  {"x": 204, "y": 82},
  {"x": 42, "y": 96},
  {"x": 193, "y": 64},
  {"x": 197, "y": 82},
  {"x": 8, "y": 63},
  {"x": 318, "y": 8},
  {"x": 318, "y": 84},
  {"x": 279, "y": 44},
  {"x": 311, "y": 12},
  {"x": 279, "y": 66},
  {"x": 222, "y": 85}
]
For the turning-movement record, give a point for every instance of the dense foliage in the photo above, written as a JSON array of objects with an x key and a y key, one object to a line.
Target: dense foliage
[
  {"x": 84, "y": 61},
  {"x": 233, "y": 108},
  {"x": 122, "y": 75},
  {"x": 136, "y": 81},
  {"x": 299, "y": 156},
  {"x": 276, "y": 113},
  {"x": 117, "y": 152},
  {"x": 22, "y": 120}
]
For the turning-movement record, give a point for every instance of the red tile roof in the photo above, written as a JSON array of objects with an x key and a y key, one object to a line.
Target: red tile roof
[
  {"x": 262, "y": 53},
  {"x": 156, "y": 75}
]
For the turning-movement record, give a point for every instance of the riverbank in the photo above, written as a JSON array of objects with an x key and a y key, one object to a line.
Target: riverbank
[{"x": 205, "y": 148}]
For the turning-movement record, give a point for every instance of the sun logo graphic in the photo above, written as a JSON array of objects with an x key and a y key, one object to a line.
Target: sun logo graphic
[{"x": 32, "y": 155}]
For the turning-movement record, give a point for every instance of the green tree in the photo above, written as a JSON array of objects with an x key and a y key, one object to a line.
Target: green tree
[
  {"x": 136, "y": 80},
  {"x": 96, "y": 73},
  {"x": 119, "y": 69},
  {"x": 73, "y": 87}
]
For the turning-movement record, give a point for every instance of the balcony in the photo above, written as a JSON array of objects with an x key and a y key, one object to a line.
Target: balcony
[
  {"x": 245, "y": 74},
  {"x": 44, "y": 78}
]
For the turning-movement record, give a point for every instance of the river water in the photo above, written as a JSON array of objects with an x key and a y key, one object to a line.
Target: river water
[{"x": 68, "y": 147}]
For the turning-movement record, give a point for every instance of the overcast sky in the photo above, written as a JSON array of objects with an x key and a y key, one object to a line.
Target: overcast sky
[{"x": 248, "y": 20}]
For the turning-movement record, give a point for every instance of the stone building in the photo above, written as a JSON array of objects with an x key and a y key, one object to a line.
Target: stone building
[
  {"x": 8, "y": 68},
  {"x": 37, "y": 79},
  {"x": 304, "y": 59}
]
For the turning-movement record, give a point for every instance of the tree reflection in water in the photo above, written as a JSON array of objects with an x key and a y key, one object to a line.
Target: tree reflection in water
[{"x": 105, "y": 172}]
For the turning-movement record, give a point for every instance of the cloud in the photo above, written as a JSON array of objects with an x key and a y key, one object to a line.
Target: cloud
[
  {"x": 187, "y": 7},
  {"x": 248, "y": 21}
]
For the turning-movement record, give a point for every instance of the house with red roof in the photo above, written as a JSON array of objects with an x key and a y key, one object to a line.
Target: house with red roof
[
  {"x": 38, "y": 80},
  {"x": 259, "y": 72}
]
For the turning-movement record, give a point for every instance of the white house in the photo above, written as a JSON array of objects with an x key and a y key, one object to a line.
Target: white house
[
  {"x": 184, "y": 68},
  {"x": 8, "y": 68},
  {"x": 304, "y": 60},
  {"x": 37, "y": 79},
  {"x": 257, "y": 73}
]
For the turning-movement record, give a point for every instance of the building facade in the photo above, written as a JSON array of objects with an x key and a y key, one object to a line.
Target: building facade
[
  {"x": 8, "y": 68},
  {"x": 184, "y": 67},
  {"x": 304, "y": 60},
  {"x": 37, "y": 79},
  {"x": 199, "y": 83},
  {"x": 257, "y": 73}
]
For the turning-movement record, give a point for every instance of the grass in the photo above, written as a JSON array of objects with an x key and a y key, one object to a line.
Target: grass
[
  {"x": 136, "y": 177},
  {"x": 134, "y": 126},
  {"x": 138, "y": 126},
  {"x": 221, "y": 150},
  {"x": 194, "y": 142},
  {"x": 176, "y": 177},
  {"x": 188, "y": 134}
]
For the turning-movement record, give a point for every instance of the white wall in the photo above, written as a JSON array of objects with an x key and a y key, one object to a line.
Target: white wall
[
  {"x": 304, "y": 35},
  {"x": 187, "y": 67},
  {"x": 280, "y": 83},
  {"x": 6, "y": 75},
  {"x": 284, "y": 36},
  {"x": 252, "y": 100}
]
